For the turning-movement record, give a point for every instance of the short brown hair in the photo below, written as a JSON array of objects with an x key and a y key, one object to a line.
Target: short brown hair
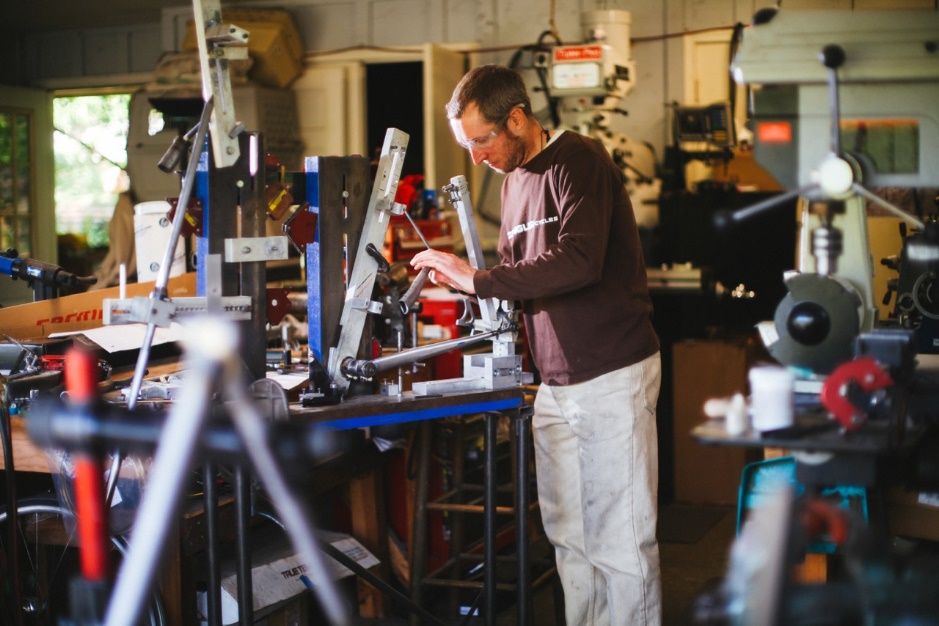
[{"x": 495, "y": 89}]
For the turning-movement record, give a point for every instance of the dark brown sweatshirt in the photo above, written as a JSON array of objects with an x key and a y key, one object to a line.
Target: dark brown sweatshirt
[{"x": 570, "y": 252}]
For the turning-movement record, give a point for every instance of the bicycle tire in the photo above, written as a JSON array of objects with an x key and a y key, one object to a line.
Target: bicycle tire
[{"x": 38, "y": 606}]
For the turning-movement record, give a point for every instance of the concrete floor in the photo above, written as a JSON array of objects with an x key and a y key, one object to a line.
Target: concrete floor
[
  {"x": 693, "y": 551},
  {"x": 688, "y": 568}
]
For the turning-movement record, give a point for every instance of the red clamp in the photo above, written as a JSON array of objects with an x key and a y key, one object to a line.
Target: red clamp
[
  {"x": 867, "y": 374},
  {"x": 278, "y": 305}
]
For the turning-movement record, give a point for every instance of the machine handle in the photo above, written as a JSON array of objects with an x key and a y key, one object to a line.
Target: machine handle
[{"x": 410, "y": 296}]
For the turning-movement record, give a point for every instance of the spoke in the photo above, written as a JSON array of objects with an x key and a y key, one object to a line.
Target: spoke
[
  {"x": 68, "y": 543},
  {"x": 46, "y": 526},
  {"x": 43, "y": 580}
]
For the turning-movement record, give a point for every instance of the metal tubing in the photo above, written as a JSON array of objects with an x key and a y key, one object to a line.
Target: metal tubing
[
  {"x": 51, "y": 424},
  {"x": 214, "y": 590},
  {"x": 489, "y": 520},
  {"x": 903, "y": 215},
  {"x": 522, "y": 424},
  {"x": 13, "y": 553},
  {"x": 419, "y": 530},
  {"x": 156, "y": 515},
  {"x": 410, "y": 296},
  {"x": 368, "y": 368},
  {"x": 835, "y": 110},
  {"x": 458, "y": 517},
  {"x": 140, "y": 368},
  {"x": 372, "y": 579},
  {"x": 417, "y": 230},
  {"x": 243, "y": 545},
  {"x": 297, "y": 522},
  {"x": 117, "y": 457},
  {"x": 159, "y": 288},
  {"x": 769, "y": 203},
  {"x": 91, "y": 517}
]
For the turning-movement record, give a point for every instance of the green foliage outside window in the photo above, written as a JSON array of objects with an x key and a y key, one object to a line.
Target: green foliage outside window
[{"x": 90, "y": 157}]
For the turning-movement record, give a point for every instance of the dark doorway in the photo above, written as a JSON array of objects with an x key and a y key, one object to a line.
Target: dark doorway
[{"x": 396, "y": 99}]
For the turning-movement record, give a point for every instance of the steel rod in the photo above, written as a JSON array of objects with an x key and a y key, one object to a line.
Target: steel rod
[
  {"x": 159, "y": 288},
  {"x": 368, "y": 368}
]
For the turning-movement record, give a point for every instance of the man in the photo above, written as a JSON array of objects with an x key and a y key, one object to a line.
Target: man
[{"x": 570, "y": 252}]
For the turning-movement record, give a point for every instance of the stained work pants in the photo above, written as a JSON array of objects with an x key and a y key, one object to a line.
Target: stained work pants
[{"x": 596, "y": 458}]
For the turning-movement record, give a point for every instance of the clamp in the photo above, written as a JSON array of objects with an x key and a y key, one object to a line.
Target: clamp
[{"x": 865, "y": 374}]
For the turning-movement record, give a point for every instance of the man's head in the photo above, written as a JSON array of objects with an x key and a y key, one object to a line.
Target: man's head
[
  {"x": 490, "y": 115},
  {"x": 495, "y": 89}
]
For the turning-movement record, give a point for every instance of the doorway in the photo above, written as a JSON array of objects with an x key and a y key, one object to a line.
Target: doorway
[
  {"x": 396, "y": 99},
  {"x": 90, "y": 174}
]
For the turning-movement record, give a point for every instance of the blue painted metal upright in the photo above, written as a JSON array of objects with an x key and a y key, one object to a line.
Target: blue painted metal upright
[
  {"x": 314, "y": 281},
  {"x": 201, "y": 191},
  {"x": 337, "y": 190}
]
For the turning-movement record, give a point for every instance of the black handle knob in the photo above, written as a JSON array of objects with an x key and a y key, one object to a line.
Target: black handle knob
[{"x": 832, "y": 56}]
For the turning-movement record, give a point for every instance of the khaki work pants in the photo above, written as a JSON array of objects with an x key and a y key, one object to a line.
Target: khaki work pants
[{"x": 596, "y": 459}]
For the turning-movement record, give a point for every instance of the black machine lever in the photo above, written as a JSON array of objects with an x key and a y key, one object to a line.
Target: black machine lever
[{"x": 376, "y": 254}]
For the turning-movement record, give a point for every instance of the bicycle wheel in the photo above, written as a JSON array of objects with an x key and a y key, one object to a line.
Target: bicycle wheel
[{"x": 48, "y": 560}]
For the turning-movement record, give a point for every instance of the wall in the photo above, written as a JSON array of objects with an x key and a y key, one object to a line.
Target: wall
[
  {"x": 660, "y": 33},
  {"x": 114, "y": 56}
]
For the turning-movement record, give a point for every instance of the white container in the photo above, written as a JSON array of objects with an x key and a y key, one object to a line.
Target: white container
[
  {"x": 771, "y": 397},
  {"x": 736, "y": 420},
  {"x": 152, "y": 230}
]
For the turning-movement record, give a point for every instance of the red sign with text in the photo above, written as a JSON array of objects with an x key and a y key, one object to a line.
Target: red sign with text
[{"x": 578, "y": 53}]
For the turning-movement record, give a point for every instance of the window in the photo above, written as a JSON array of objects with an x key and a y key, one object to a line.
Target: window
[
  {"x": 90, "y": 162},
  {"x": 16, "y": 197}
]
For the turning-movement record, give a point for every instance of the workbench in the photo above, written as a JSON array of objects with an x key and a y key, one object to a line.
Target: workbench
[
  {"x": 364, "y": 412},
  {"x": 374, "y": 410},
  {"x": 815, "y": 434},
  {"x": 27, "y": 457}
]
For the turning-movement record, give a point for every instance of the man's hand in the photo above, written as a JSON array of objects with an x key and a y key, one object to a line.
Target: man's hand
[{"x": 446, "y": 269}]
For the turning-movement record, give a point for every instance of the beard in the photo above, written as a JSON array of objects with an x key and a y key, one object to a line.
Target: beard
[{"x": 515, "y": 153}]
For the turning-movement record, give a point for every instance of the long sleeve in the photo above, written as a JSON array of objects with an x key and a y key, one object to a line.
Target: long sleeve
[{"x": 571, "y": 253}]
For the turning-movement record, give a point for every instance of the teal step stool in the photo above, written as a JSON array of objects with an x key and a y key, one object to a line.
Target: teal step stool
[{"x": 763, "y": 479}]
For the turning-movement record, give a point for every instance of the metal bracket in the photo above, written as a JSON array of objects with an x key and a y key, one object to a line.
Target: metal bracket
[
  {"x": 218, "y": 44},
  {"x": 247, "y": 249},
  {"x": 460, "y": 199},
  {"x": 362, "y": 280},
  {"x": 500, "y": 368},
  {"x": 162, "y": 313}
]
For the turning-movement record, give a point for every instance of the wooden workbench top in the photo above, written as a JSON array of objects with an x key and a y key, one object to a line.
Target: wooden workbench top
[{"x": 27, "y": 457}]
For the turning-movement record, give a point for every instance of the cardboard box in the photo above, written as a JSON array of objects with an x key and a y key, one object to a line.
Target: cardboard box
[
  {"x": 277, "y": 574},
  {"x": 274, "y": 44},
  {"x": 913, "y": 514},
  {"x": 81, "y": 311}
]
